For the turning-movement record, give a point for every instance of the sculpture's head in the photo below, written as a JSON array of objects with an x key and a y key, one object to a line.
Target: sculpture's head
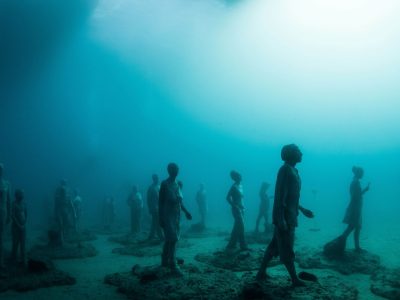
[
  {"x": 155, "y": 178},
  {"x": 236, "y": 177},
  {"x": 173, "y": 170},
  {"x": 358, "y": 172},
  {"x": 291, "y": 154}
]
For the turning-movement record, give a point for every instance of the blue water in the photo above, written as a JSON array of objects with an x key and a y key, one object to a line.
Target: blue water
[{"x": 106, "y": 93}]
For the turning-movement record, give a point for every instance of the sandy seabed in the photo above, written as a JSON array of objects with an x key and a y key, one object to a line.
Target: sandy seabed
[{"x": 90, "y": 272}]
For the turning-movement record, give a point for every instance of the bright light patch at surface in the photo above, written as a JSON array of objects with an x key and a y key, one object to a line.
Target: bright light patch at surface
[{"x": 323, "y": 73}]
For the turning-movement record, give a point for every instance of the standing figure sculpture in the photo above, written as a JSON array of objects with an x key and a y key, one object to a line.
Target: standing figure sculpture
[
  {"x": 201, "y": 199},
  {"x": 152, "y": 203},
  {"x": 353, "y": 215},
  {"x": 264, "y": 206},
  {"x": 135, "y": 203},
  {"x": 5, "y": 211},
  {"x": 285, "y": 211},
  {"x": 18, "y": 227},
  {"x": 64, "y": 210},
  {"x": 77, "y": 204},
  {"x": 170, "y": 206},
  {"x": 108, "y": 213},
  {"x": 235, "y": 199}
]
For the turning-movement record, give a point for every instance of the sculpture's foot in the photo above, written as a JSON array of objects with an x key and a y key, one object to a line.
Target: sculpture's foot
[
  {"x": 359, "y": 249},
  {"x": 298, "y": 283},
  {"x": 262, "y": 276}
]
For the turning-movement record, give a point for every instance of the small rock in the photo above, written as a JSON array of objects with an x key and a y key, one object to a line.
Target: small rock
[
  {"x": 308, "y": 276},
  {"x": 386, "y": 283},
  {"x": 39, "y": 265}
]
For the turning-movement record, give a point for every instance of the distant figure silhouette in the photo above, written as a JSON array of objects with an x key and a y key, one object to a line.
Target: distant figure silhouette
[
  {"x": 5, "y": 211},
  {"x": 353, "y": 215},
  {"x": 108, "y": 213},
  {"x": 152, "y": 204},
  {"x": 285, "y": 211},
  {"x": 63, "y": 209},
  {"x": 264, "y": 206},
  {"x": 235, "y": 199},
  {"x": 135, "y": 202},
  {"x": 77, "y": 204},
  {"x": 18, "y": 227},
  {"x": 170, "y": 206},
  {"x": 201, "y": 199}
]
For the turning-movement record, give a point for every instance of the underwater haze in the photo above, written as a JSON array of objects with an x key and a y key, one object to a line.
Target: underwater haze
[{"x": 105, "y": 93}]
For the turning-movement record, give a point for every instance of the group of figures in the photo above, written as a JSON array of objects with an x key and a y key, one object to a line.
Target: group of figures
[
  {"x": 68, "y": 209},
  {"x": 286, "y": 209},
  {"x": 136, "y": 206},
  {"x": 67, "y": 215},
  {"x": 165, "y": 203}
]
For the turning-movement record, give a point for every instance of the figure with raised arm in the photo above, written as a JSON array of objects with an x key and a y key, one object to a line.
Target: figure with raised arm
[{"x": 353, "y": 217}]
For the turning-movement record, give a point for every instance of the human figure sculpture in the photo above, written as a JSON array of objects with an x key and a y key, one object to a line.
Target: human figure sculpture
[
  {"x": 64, "y": 210},
  {"x": 108, "y": 213},
  {"x": 353, "y": 217},
  {"x": 152, "y": 204},
  {"x": 18, "y": 228},
  {"x": 5, "y": 211},
  {"x": 77, "y": 204},
  {"x": 170, "y": 206},
  {"x": 201, "y": 199},
  {"x": 235, "y": 199},
  {"x": 264, "y": 206},
  {"x": 135, "y": 203},
  {"x": 285, "y": 211}
]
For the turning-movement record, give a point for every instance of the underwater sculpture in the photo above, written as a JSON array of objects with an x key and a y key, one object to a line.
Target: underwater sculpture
[
  {"x": 152, "y": 204},
  {"x": 5, "y": 211},
  {"x": 235, "y": 199},
  {"x": 264, "y": 206},
  {"x": 18, "y": 228},
  {"x": 108, "y": 214},
  {"x": 64, "y": 209},
  {"x": 63, "y": 242},
  {"x": 135, "y": 202},
  {"x": 170, "y": 205},
  {"x": 353, "y": 217},
  {"x": 77, "y": 204},
  {"x": 201, "y": 199},
  {"x": 285, "y": 212}
]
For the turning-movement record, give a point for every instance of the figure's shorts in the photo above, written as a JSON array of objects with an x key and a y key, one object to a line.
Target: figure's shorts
[{"x": 282, "y": 244}]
